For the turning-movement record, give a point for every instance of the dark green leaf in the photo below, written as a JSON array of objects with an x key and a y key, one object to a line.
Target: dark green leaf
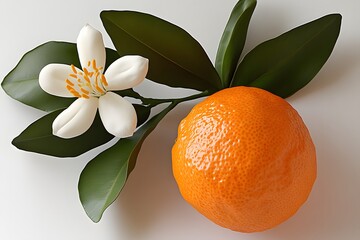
[
  {"x": 22, "y": 82},
  {"x": 103, "y": 177},
  {"x": 38, "y": 136},
  {"x": 287, "y": 63},
  {"x": 129, "y": 93},
  {"x": 142, "y": 113},
  {"x": 233, "y": 40},
  {"x": 176, "y": 59}
]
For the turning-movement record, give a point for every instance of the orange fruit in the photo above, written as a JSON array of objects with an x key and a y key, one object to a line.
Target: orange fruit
[{"x": 244, "y": 159}]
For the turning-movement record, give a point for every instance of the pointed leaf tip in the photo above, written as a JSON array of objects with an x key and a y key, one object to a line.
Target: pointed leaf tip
[
  {"x": 233, "y": 40},
  {"x": 287, "y": 63},
  {"x": 176, "y": 59}
]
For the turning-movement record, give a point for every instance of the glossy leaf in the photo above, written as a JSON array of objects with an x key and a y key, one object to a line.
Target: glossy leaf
[
  {"x": 233, "y": 40},
  {"x": 176, "y": 59},
  {"x": 22, "y": 83},
  {"x": 38, "y": 136},
  {"x": 287, "y": 63},
  {"x": 104, "y": 177}
]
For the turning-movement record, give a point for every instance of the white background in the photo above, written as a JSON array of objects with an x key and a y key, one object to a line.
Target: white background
[{"x": 38, "y": 194}]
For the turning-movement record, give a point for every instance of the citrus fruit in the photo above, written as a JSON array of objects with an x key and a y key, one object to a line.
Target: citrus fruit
[{"x": 244, "y": 159}]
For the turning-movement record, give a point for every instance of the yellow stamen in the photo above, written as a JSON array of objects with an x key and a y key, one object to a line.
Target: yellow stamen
[
  {"x": 73, "y": 69},
  {"x": 103, "y": 80},
  {"x": 84, "y": 91},
  {"x": 97, "y": 81},
  {"x": 86, "y": 72},
  {"x": 88, "y": 82},
  {"x": 70, "y": 88},
  {"x": 73, "y": 75},
  {"x": 87, "y": 79},
  {"x": 99, "y": 89},
  {"x": 94, "y": 65},
  {"x": 73, "y": 91},
  {"x": 69, "y": 82}
]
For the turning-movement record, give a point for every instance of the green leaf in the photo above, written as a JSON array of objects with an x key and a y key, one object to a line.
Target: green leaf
[
  {"x": 142, "y": 113},
  {"x": 22, "y": 83},
  {"x": 176, "y": 59},
  {"x": 104, "y": 177},
  {"x": 38, "y": 136},
  {"x": 287, "y": 63},
  {"x": 233, "y": 40}
]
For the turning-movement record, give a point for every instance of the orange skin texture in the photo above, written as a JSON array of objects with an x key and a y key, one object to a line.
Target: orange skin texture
[{"x": 244, "y": 159}]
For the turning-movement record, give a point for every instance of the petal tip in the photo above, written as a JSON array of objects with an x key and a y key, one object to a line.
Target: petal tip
[
  {"x": 90, "y": 45},
  {"x": 87, "y": 27},
  {"x": 123, "y": 133},
  {"x": 142, "y": 60}
]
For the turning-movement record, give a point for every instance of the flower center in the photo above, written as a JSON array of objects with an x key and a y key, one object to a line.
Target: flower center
[{"x": 87, "y": 83}]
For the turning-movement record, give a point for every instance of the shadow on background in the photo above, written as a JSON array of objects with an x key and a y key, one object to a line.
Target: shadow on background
[{"x": 151, "y": 196}]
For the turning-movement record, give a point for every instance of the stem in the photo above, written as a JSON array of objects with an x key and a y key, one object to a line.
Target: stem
[{"x": 154, "y": 102}]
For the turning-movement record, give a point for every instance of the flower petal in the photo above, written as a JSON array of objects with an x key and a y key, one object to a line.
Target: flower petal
[
  {"x": 76, "y": 119},
  {"x": 52, "y": 79},
  {"x": 90, "y": 46},
  {"x": 118, "y": 115},
  {"x": 126, "y": 72}
]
